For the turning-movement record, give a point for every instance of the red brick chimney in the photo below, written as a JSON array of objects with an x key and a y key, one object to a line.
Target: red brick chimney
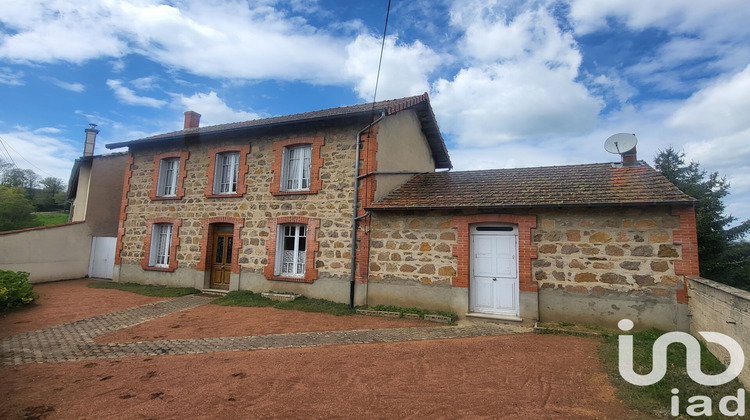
[
  {"x": 630, "y": 158},
  {"x": 192, "y": 119}
]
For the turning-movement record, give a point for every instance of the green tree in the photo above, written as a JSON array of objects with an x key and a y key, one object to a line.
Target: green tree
[
  {"x": 52, "y": 196},
  {"x": 721, "y": 256},
  {"x": 15, "y": 209}
]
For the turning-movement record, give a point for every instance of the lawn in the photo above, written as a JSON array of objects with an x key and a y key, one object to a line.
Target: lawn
[{"x": 48, "y": 219}]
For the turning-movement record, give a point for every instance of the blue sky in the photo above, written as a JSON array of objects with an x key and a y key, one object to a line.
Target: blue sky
[{"x": 513, "y": 83}]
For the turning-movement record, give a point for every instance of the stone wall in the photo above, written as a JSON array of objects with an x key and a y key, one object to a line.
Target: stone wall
[
  {"x": 720, "y": 308},
  {"x": 331, "y": 205}
]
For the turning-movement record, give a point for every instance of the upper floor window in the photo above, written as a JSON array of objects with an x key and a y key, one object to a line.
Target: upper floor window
[
  {"x": 168, "y": 171},
  {"x": 161, "y": 241},
  {"x": 227, "y": 171},
  {"x": 169, "y": 176},
  {"x": 296, "y": 168}
]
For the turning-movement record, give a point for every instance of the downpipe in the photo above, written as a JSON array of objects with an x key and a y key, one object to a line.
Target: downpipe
[{"x": 353, "y": 272}]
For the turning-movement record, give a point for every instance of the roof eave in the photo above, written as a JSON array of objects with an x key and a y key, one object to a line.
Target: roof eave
[{"x": 532, "y": 206}]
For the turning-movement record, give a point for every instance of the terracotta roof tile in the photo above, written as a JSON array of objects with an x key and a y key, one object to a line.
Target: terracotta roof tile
[{"x": 553, "y": 186}]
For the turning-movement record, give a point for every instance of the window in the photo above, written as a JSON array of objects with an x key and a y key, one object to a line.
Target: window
[
  {"x": 296, "y": 168},
  {"x": 292, "y": 250},
  {"x": 227, "y": 171},
  {"x": 161, "y": 241},
  {"x": 168, "y": 171}
]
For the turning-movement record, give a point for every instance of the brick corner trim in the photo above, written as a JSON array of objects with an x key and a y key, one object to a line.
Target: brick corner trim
[
  {"x": 176, "y": 223},
  {"x": 687, "y": 237},
  {"x": 316, "y": 162},
  {"x": 311, "y": 273},
  {"x": 123, "y": 207},
  {"x": 526, "y": 251}
]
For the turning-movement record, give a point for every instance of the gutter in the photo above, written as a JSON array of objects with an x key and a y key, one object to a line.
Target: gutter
[
  {"x": 353, "y": 271},
  {"x": 534, "y": 206}
]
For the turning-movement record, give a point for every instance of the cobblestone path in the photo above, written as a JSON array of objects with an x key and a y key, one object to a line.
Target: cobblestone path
[{"x": 74, "y": 340}]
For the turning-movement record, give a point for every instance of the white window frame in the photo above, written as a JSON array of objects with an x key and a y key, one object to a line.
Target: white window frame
[
  {"x": 161, "y": 244},
  {"x": 291, "y": 262},
  {"x": 226, "y": 174},
  {"x": 296, "y": 168},
  {"x": 169, "y": 171}
]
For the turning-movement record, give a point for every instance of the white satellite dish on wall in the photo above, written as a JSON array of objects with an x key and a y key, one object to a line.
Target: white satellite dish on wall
[{"x": 620, "y": 143}]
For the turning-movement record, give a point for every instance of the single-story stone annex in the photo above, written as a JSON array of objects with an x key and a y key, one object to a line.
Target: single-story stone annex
[{"x": 358, "y": 204}]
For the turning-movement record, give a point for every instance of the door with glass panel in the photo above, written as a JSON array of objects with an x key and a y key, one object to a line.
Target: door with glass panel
[{"x": 221, "y": 260}]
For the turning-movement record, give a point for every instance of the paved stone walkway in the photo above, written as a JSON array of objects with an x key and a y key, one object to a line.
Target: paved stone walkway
[{"x": 74, "y": 341}]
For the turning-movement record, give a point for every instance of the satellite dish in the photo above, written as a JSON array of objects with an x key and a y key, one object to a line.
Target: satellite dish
[{"x": 620, "y": 143}]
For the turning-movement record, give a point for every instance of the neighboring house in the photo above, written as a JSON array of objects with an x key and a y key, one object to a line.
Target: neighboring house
[
  {"x": 270, "y": 205},
  {"x": 95, "y": 193}
]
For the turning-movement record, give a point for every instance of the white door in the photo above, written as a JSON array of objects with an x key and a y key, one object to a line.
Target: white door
[
  {"x": 102, "y": 257},
  {"x": 494, "y": 266}
]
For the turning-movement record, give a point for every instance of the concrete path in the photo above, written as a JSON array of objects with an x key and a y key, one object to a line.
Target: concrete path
[{"x": 75, "y": 340}]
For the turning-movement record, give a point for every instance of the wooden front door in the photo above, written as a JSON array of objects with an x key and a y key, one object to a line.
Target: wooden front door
[{"x": 221, "y": 262}]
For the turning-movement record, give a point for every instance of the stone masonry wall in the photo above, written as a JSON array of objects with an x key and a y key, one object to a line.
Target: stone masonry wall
[
  {"x": 331, "y": 205},
  {"x": 593, "y": 250}
]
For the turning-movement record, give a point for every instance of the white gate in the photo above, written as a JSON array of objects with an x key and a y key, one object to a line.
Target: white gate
[
  {"x": 494, "y": 266},
  {"x": 102, "y": 257}
]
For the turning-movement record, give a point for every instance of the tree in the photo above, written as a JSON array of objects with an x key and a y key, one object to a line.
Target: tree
[
  {"x": 15, "y": 209},
  {"x": 721, "y": 256},
  {"x": 52, "y": 186},
  {"x": 52, "y": 196}
]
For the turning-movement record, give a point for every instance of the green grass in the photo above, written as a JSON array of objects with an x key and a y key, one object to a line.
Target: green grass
[
  {"x": 48, "y": 219},
  {"x": 248, "y": 298},
  {"x": 654, "y": 400},
  {"x": 145, "y": 289}
]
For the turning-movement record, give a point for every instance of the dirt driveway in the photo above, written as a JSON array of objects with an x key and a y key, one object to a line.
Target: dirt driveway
[{"x": 507, "y": 376}]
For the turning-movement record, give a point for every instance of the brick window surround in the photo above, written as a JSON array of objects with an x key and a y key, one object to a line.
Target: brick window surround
[
  {"x": 243, "y": 168},
  {"x": 207, "y": 240},
  {"x": 311, "y": 273},
  {"x": 316, "y": 162},
  {"x": 176, "y": 223},
  {"x": 183, "y": 156},
  {"x": 526, "y": 251}
]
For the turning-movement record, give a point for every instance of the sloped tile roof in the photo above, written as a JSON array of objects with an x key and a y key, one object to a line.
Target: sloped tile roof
[
  {"x": 553, "y": 186},
  {"x": 421, "y": 103}
]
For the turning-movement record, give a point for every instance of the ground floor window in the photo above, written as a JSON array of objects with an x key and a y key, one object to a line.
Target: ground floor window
[
  {"x": 161, "y": 241},
  {"x": 291, "y": 254}
]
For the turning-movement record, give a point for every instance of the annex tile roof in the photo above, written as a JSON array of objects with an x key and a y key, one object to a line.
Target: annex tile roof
[
  {"x": 553, "y": 186},
  {"x": 420, "y": 103}
]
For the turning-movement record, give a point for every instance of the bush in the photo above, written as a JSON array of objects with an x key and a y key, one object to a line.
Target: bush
[{"x": 15, "y": 289}]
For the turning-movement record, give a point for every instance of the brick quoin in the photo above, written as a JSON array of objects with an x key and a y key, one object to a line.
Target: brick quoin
[
  {"x": 311, "y": 273},
  {"x": 123, "y": 207},
  {"x": 242, "y": 170},
  {"x": 687, "y": 237},
  {"x": 526, "y": 251},
  {"x": 184, "y": 156},
  {"x": 316, "y": 162},
  {"x": 367, "y": 187},
  {"x": 176, "y": 223},
  {"x": 207, "y": 241}
]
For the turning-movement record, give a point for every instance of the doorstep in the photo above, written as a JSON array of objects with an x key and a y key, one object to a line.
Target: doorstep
[
  {"x": 217, "y": 292},
  {"x": 494, "y": 317}
]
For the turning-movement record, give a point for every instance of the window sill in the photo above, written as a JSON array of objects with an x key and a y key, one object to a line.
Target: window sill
[
  {"x": 152, "y": 268},
  {"x": 160, "y": 198},
  {"x": 292, "y": 279},
  {"x": 223, "y": 195},
  {"x": 299, "y": 192}
]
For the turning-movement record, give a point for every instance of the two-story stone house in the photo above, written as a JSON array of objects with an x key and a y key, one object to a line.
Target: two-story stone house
[{"x": 271, "y": 204}]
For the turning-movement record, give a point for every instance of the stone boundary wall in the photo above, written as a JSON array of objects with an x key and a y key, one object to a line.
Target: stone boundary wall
[{"x": 724, "y": 309}]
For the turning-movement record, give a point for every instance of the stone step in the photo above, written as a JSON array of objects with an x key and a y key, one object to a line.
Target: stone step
[{"x": 217, "y": 292}]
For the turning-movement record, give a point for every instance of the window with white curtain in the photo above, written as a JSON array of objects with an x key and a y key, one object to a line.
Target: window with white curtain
[
  {"x": 169, "y": 169},
  {"x": 161, "y": 240},
  {"x": 227, "y": 170},
  {"x": 296, "y": 168},
  {"x": 291, "y": 250}
]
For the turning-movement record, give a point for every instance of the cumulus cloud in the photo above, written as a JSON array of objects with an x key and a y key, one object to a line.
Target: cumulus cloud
[
  {"x": 52, "y": 155},
  {"x": 522, "y": 84},
  {"x": 213, "y": 109},
  {"x": 405, "y": 70},
  {"x": 128, "y": 96}
]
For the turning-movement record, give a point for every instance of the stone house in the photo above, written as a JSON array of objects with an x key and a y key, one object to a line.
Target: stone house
[{"x": 273, "y": 204}]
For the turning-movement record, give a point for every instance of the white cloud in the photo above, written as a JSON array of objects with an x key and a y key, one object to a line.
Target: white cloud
[
  {"x": 720, "y": 109},
  {"x": 144, "y": 83},
  {"x": 10, "y": 77},
  {"x": 51, "y": 156},
  {"x": 128, "y": 96},
  {"x": 71, "y": 86},
  {"x": 405, "y": 69},
  {"x": 213, "y": 109}
]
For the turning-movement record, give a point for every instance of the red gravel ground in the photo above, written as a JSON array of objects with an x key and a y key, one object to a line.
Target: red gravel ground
[{"x": 514, "y": 376}]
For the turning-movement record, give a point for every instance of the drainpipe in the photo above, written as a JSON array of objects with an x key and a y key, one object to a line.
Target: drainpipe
[{"x": 353, "y": 272}]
